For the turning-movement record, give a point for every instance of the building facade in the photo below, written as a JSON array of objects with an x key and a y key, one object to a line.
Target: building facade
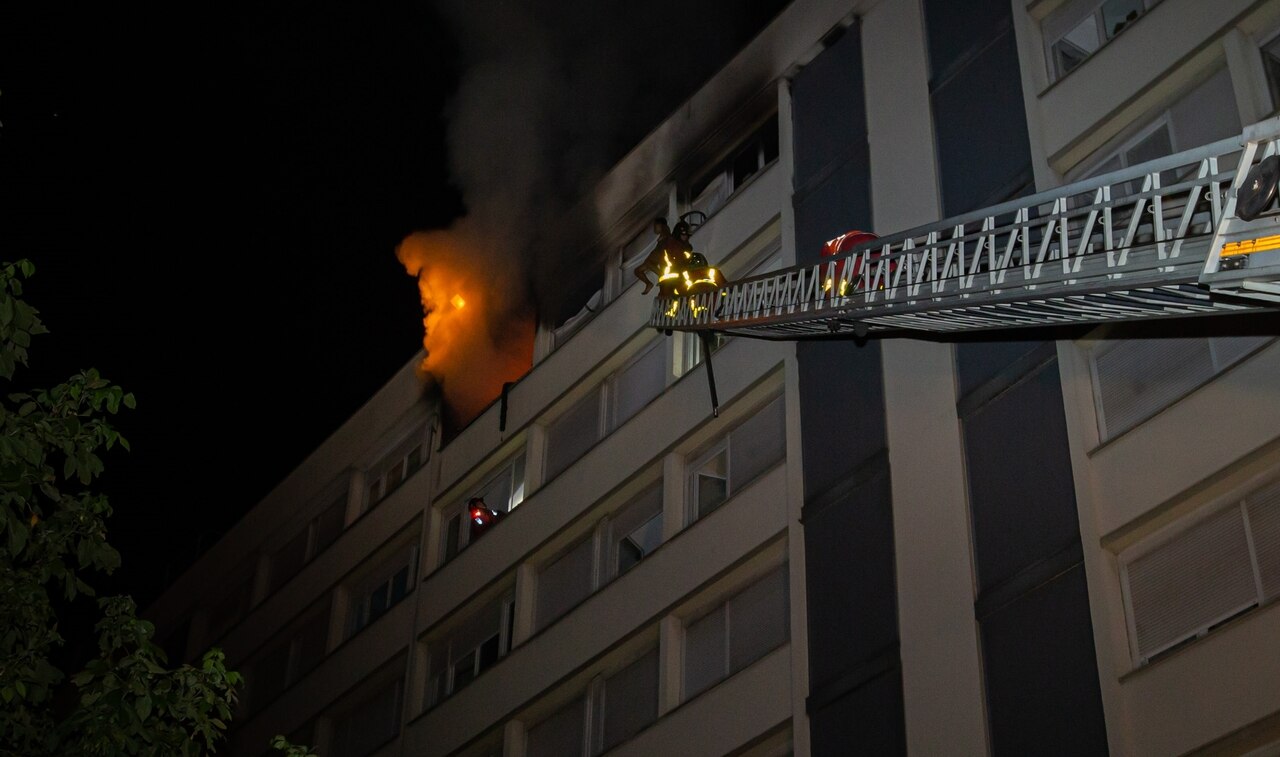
[{"x": 1018, "y": 543}]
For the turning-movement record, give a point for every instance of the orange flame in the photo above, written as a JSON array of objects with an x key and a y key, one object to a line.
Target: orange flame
[{"x": 484, "y": 339}]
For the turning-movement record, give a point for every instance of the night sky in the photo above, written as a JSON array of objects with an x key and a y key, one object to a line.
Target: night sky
[{"x": 213, "y": 203}]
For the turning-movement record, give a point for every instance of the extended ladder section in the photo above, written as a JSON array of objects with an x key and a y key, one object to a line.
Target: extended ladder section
[{"x": 1161, "y": 239}]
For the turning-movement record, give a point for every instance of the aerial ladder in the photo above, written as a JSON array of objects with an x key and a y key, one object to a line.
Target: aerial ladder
[{"x": 1190, "y": 234}]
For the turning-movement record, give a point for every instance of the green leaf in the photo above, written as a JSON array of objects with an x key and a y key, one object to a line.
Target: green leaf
[
  {"x": 28, "y": 268},
  {"x": 17, "y": 537},
  {"x": 143, "y": 707}
]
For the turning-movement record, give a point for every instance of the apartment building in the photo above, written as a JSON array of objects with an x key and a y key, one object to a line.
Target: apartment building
[{"x": 1026, "y": 542}]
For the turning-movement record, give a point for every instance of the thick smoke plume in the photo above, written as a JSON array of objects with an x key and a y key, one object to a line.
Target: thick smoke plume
[{"x": 549, "y": 96}]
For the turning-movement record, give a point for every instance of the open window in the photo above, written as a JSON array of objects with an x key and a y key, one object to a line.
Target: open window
[
  {"x": 712, "y": 189},
  {"x": 501, "y": 492},
  {"x": 730, "y": 464}
]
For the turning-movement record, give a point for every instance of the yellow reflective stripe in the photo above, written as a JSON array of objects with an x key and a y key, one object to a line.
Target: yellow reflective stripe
[{"x": 1250, "y": 246}]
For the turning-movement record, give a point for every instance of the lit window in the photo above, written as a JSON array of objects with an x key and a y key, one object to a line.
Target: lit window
[
  {"x": 728, "y": 466},
  {"x": 502, "y": 493}
]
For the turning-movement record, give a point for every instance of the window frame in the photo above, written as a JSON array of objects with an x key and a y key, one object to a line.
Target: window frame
[
  {"x": 1069, "y": 18},
  {"x": 453, "y": 526},
  {"x": 1237, "y": 499},
  {"x": 448, "y": 676},
  {"x": 378, "y": 475},
  {"x": 694, "y": 191},
  {"x": 723, "y": 444},
  {"x": 604, "y": 552},
  {"x": 360, "y": 614}
]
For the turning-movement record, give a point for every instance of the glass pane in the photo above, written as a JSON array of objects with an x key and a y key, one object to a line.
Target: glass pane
[
  {"x": 756, "y": 445},
  {"x": 704, "y": 652},
  {"x": 745, "y": 164},
  {"x": 713, "y": 196},
  {"x": 288, "y": 560},
  {"x": 1076, "y": 45},
  {"x": 1271, "y": 63},
  {"x": 375, "y": 492},
  {"x": 565, "y": 582},
  {"x": 497, "y": 493},
  {"x": 464, "y": 671},
  {"x": 559, "y": 735},
  {"x": 488, "y": 654},
  {"x": 758, "y": 620},
  {"x": 711, "y": 485},
  {"x": 414, "y": 460},
  {"x": 638, "y": 384},
  {"x": 329, "y": 525},
  {"x": 517, "y": 481},
  {"x": 395, "y": 476},
  {"x": 451, "y": 529},
  {"x": 637, "y": 528},
  {"x": 631, "y": 700},
  {"x": 640, "y": 542},
  {"x": 378, "y": 601},
  {"x": 310, "y": 643},
  {"x": 573, "y": 433},
  {"x": 1117, "y": 14}
]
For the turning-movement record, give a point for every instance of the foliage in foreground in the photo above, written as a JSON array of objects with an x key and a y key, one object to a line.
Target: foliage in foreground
[{"x": 52, "y": 539}]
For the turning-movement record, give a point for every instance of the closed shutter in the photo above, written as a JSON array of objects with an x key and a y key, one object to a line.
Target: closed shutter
[
  {"x": 573, "y": 433},
  {"x": 1263, "y": 507},
  {"x": 1137, "y": 378},
  {"x": 565, "y": 582},
  {"x": 560, "y": 735},
  {"x": 1184, "y": 586}
]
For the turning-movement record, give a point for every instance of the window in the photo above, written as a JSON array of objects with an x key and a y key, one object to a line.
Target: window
[
  {"x": 1205, "y": 114},
  {"x": 567, "y": 581},
  {"x": 573, "y": 433},
  {"x": 1133, "y": 379},
  {"x": 606, "y": 407},
  {"x": 1271, "y": 64},
  {"x": 473, "y": 647},
  {"x": 231, "y": 608},
  {"x": 314, "y": 538},
  {"x": 713, "y": 189},
  {"x": 634, "y": 253},
  {"x": 502, "y": 492},
  {"x": 394, "y": 469},
  {"x": 369, "y": 724},
  {"x": 636, "y": 530},
  {"x": 1078, "y": 29},
  {"x": 736, "y": 633},
  {"x": 1184, "y": 587},
  {"x": 383, "y": 589},
  {"x": 303, "y": 648},
  {"x": 621, "y": 705},
  {"x": 735, "y": 461},
  {"x": 617, "y": 544}
]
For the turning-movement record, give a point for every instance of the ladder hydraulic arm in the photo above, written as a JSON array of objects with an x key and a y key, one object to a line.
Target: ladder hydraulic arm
[{"x": 1157, "y": 240}]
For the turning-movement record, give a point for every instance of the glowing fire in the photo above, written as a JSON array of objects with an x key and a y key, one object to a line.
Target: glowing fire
[{"x": 484, "y": 339}]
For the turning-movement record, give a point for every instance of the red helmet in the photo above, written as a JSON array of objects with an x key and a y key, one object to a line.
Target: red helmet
[
  {"x": 840, "y": 246},
  {"x": 846, "y": 241}
]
